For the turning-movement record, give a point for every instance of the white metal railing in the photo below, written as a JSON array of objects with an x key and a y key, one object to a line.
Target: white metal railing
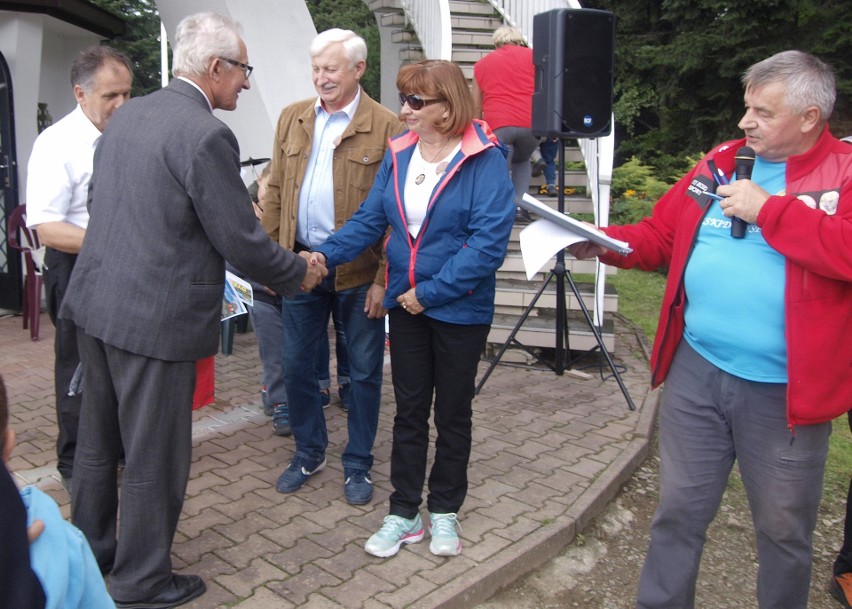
[
  {"x": 519, "y": 13},
  {"x": 598, "y": 156},
  {"x": 431, "y": 22}
]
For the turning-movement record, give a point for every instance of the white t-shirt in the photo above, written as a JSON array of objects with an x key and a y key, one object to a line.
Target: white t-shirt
[
  {"x": 59, "y": 171},
  {"x": 420, "y": 181}
]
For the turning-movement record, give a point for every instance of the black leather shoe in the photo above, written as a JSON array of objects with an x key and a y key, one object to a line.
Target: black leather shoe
[
  {"x": 522, "y": 215},
  {"x": 182, "y": 589}
]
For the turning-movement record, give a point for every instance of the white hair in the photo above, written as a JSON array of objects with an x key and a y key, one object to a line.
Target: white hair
[
  {"x": 202, "y": 37},
  {"x": 353, "y": 45}
]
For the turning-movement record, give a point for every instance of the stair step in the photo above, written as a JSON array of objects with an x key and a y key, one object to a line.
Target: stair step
[
  {"x": 392, "y": 19},
  {"x": 469, "y": 55},
  {"x": 462, "y": 7},
  {"x": 411, "y": 54},
  {"x": 513, "y": 268},
  {"x": 541, "y": 332},
  {"x": 515, "y": 237},
  {"x": 485, "y": 24},
  {"x": 515, "y": 295},
  {"x": 381, "y": 6},
  {"x": 472, "y": 38},
  {"x": 573, "y": 204},
  {"x": 405, "y": 36}
]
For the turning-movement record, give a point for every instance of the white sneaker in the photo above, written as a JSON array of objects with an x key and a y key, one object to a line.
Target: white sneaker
[
  {"x": 445, "y": 541},
  {"x": 395, "y": 531}
]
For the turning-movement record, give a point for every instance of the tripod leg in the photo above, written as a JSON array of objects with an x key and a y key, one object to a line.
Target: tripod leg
[
  {"x": 514, "y": 332},
  {"x": 600, "y": 342}
]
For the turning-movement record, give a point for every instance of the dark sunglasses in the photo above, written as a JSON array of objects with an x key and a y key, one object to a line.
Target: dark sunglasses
[{"x": 415, "y": 102}]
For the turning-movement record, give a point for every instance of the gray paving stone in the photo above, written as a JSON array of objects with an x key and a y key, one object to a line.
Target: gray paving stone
[{"x": 548, "y": 453}]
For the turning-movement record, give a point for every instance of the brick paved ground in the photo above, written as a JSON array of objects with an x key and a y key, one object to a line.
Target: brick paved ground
[{"x": 549, "y": 453}]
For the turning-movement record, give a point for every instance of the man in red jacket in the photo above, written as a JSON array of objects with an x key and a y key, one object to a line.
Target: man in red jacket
[{"x": 753, "y": 342}]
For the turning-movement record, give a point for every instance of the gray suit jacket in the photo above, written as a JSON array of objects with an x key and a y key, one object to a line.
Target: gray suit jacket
[{"x": 167, "y": 209}]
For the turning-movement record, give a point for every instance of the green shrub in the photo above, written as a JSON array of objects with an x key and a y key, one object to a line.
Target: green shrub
[
  {"x": 635, "y": 189},
  {"x": 635, "y": 180},
  {"x": 629, "y": 211}
]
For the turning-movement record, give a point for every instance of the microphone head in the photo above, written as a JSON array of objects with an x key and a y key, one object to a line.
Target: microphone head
[
  {"x": 745, "y": 154},
  {"x": 745, "y": 161}
]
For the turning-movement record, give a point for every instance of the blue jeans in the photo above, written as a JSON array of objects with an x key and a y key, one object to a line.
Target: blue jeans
[
  {"x": 323, "y": 373},
  {"x": 709, "y": 419},
  {"x": 549, "y": 149},
  {"x": 304, "y": 321},
  {"x": 266, "y": 320}
]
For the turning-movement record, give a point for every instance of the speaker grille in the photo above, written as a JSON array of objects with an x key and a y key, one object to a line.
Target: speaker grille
[{"x": 573, "y": 52}]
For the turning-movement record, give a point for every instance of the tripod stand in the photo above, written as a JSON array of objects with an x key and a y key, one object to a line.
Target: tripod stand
[{"x": 562, "y": 276}]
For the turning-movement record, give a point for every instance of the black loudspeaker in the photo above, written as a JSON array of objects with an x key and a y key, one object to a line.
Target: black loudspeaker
[{"x": 573, "y": 53}]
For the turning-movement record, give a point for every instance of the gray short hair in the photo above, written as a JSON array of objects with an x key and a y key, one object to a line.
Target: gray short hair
[
  {"x": 201, "y": 37},
  {"x": 353, "y": 45},
  {"x": 89, "y": 61},
  {"x": 807, "y": 80},
  {"x": 508, "y": 35}
]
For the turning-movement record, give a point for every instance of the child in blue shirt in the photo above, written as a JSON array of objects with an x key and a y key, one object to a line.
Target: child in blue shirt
[{"x": 60, "y": 555}]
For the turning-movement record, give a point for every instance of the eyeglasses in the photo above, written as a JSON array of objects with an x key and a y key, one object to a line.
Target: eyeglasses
[
  {"x": 246, "y": 68},
  {"x": 415, "y": 102}
]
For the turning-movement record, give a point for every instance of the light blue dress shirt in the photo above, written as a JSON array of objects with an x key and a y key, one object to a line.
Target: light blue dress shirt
[{"x": 316, "y": 198}]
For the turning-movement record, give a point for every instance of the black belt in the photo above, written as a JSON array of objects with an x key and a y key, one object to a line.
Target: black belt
[{"x": 300, "y": 247}]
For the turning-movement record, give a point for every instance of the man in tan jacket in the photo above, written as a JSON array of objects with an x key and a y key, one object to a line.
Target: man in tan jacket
[{"x": 326, "y": 154}]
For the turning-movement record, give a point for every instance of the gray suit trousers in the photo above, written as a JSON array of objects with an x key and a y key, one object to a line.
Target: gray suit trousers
[{"x": 146, "y": 404}]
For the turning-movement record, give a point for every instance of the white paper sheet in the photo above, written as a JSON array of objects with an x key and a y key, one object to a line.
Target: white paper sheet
[{"x": 540, "y": 241}]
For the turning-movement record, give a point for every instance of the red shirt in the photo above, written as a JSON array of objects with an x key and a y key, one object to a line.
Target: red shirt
[{"x": 506, "y": 77}]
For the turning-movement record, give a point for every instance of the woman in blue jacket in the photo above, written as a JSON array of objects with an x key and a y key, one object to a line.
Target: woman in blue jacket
[{"x": 445, "y": 192}]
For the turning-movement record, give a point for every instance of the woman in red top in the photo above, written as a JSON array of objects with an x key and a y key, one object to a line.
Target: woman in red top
[{"x": 503, "y": 85}]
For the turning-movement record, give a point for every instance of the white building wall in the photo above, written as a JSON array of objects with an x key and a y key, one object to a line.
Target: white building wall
[
  {"x": 277, "y": 34},
  {"x": 39, "y": 50}
]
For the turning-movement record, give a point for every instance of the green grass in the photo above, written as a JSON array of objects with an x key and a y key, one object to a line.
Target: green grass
[
  {"x": 839, "y": 462},
  {"x": 639, "y": 298}
]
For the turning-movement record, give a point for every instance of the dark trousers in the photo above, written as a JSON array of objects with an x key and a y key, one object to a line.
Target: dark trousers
[
  {"x": 843, "y": 562},
  {"x": 59, "y": 267},
  {"x": 430, "y": 357},
  {"x": 146, "y": 404},
  {"x": 709, "y": 420}
]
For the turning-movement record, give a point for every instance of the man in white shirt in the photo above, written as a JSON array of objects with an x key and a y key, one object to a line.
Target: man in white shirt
[{"x": 58, "y": 175}]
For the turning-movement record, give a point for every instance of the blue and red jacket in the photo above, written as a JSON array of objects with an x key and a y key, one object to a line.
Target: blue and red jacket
[
  {"x": 815, "y": 240},
  {"x": 462, "y": 241}
]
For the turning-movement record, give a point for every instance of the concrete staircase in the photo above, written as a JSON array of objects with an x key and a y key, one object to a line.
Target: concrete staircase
[
  {"x": 473, "y": 23},
  {"x": 515, "y": 292}
]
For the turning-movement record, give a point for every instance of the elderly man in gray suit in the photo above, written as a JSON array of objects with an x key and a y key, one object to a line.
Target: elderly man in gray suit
[{"x": 168, "y": 208}]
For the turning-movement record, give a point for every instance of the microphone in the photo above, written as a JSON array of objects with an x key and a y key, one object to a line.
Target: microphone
[{"x": 745, "y": 162}]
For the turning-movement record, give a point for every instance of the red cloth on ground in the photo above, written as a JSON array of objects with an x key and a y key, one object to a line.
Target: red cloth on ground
[{"x": 205, "y": 382}]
